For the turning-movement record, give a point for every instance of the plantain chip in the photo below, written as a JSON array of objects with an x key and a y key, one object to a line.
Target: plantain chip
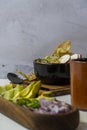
[
  {"x": 62, "y": 48},
  {"x": 29, "y": 77}
]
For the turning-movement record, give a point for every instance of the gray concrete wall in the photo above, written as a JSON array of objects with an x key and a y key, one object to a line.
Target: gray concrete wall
[{"x": 33, "y": 28}]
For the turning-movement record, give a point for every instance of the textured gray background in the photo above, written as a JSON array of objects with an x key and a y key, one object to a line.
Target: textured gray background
[{"x": 33, "y": 28}]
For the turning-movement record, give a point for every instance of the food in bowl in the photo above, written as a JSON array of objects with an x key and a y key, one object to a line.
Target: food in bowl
[
  {"x": 53, "y": 115},
  {"x": 55, "y": 69},
  {"x": 37, "y": 121},
  {"x": 50, "y": 73},
  {"x": 37, "y": 113},
  {"x": 55, "y": 59},
  {"x": 45, "y": 105}
]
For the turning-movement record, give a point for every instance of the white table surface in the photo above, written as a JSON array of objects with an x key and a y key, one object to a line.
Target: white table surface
[{"x": 6, "y": 123}]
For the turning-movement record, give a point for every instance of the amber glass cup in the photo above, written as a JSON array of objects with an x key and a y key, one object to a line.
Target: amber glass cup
[{"x": 78, "y": 83}]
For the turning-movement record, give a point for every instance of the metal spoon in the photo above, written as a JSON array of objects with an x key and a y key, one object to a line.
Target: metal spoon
[{"x": 14, "y": 78}]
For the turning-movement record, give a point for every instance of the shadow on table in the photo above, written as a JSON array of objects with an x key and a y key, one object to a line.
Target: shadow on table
[{"x": 82, "y": 126}]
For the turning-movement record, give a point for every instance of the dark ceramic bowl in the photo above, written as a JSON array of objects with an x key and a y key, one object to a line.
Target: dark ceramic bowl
[{"x": 57, "y": 74}]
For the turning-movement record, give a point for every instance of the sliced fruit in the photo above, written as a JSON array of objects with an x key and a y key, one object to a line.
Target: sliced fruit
[
  {"x": 9, "y": 94},
  {"x": 64, "y": 59},
  {"x": 25, "y": 91},
  {"x": 34, "y": 90},
  {"x": 75, "y": 56},
  {"x": 18, "y": 88}
]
